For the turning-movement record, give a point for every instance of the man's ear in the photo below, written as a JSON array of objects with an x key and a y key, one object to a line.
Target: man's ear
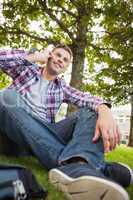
[
  {"x": 49, "y": 59},
  {"x": 51, "y": 53}
]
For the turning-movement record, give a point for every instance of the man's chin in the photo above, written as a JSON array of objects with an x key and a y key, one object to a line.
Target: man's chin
[{"x": 54, "y": 72}]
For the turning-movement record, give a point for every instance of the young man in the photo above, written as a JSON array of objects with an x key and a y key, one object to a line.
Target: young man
[{"x": 73, "y": 149}]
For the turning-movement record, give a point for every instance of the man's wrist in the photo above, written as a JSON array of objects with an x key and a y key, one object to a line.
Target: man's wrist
[
  {"x": 102, "y": 107},
  {"x": 30, "y": 57}
]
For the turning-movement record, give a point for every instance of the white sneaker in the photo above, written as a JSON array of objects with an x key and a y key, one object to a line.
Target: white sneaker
[{"x": 87, "y": 187}]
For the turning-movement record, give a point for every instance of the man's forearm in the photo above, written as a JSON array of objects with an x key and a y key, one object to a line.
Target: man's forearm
[
  {"x": 31, "y": 57},
  {"x": 12, "y": 54},
  {"x": 9, "y": 59}
]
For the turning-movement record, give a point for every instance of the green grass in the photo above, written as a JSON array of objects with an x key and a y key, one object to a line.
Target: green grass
[
  {"x": 40, "y": 173},
  {"x": 125, "y": 155},
  {"x": 121, "y": 154}
]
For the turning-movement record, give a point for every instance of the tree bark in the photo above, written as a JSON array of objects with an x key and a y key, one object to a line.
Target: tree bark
[
  {"x": 77, "y": 69},
  {"x": 130, "y": 143}
]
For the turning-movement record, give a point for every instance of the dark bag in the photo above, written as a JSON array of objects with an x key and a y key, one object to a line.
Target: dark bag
[{"x": 19, "y": 183}]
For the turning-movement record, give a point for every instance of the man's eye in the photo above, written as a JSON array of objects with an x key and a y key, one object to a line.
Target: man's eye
[
  {"x": 59, "y": 55},
  {"x": 65, "y": 60}
]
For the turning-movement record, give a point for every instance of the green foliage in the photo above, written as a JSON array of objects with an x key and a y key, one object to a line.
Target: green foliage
[
  {"x": 114, "y": 49},
  {"x": 4, "y": 80},
  {"x": 19, "y": 15},
  {"x": 71, "y": 22},
  {"x": 61, "y": 20},
  {"x": 57, "y": 21}
]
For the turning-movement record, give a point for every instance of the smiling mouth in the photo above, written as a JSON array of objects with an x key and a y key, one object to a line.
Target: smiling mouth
[{"x": 58, "y": 65}]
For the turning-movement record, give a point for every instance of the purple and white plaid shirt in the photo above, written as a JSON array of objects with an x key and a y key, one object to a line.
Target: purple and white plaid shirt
[{"x": 25, "y": 73}]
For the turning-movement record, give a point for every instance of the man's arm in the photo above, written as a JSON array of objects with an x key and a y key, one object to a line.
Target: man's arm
[
  {"x": 81, "y": 99},
  {"x": 11, "y": 61},
  {"x": 106, "y": 126}
]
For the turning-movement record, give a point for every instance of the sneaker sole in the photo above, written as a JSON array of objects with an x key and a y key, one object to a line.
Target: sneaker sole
[{"x": 86, "y": 187}]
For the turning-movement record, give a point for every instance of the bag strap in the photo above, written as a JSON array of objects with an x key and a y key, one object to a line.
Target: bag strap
[
  {"x": 11, "y": 166},
  {"x": 6, "y": 184}
]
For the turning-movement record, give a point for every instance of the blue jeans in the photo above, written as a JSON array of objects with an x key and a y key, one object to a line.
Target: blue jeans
[{"x": 51, "y": 143}]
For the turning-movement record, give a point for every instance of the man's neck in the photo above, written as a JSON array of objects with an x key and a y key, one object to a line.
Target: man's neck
[{"x": 48, "y": 76}]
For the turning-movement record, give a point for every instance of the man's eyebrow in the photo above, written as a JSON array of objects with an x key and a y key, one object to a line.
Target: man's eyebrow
[
  {"x": 65, "y": 58},
  {"x": 58, "y": 53}
]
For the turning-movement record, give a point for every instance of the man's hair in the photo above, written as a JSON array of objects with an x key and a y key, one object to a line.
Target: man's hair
[{"x": 66, "y": 48}]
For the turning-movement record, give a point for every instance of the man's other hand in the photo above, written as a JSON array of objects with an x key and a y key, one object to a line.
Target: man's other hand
[{"x": 107, "y": 128}]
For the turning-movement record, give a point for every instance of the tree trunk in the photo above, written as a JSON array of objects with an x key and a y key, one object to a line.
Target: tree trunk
[
  {"x": 77, "y": 70},
  {"x": 78, "y": 46},
  {"x": 130, "y": 143}
]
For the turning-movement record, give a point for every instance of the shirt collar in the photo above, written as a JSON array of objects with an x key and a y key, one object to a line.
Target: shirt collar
[{"x": 56, "y": 80}]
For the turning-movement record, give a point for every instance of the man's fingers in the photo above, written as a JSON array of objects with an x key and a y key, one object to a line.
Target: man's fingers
[
  {"x": 50, "y": 54},
  {"x": 106, "y": 141},
  {"x": 118, "y": 135},
  {"x": 112, "y": 138},
  {"x": 109, "y": 131},
  {"x": 105, "y": 137},
  {"x": 96, "y": 135}
]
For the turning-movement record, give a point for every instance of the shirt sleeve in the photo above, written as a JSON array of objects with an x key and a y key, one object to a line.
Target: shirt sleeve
[
  {"x": 82, "y": 99},
  {"x": 12, "y": 62}
]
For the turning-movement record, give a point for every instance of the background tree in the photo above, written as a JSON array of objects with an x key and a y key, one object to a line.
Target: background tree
[
  {"x": 99, "y": 32},
  {"x": 59, "y": 21},
  {"x": 115, "y": 80}
]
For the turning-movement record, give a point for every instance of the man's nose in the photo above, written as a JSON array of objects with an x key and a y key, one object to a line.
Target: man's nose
[{"x": 60, "y": 60}]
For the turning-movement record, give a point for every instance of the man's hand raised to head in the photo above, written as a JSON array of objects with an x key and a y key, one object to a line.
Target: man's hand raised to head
[
  {"x": 107, "y": 128},
  {"x": 41, "y": 57}
]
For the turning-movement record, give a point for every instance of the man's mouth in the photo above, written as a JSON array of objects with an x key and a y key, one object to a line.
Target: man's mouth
[{"x": 58, "y": 65}]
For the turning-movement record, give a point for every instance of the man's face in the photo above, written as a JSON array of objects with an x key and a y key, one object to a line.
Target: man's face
[{"x": 59, "y": 61}]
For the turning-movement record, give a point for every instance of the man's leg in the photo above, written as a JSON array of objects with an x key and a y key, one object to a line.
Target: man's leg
[
  {"x": 117, "y": 172},
  {"x": 86, "y": 180},
  {"x": 81, "y": 182},
  {"x": 81, "y": 144},
  {"x": 27, "y": 132}
]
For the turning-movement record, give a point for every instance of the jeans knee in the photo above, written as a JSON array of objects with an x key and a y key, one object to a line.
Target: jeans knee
[
  {"x": 9, "y": 99},
  {"x": 87, "y": 113}
]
